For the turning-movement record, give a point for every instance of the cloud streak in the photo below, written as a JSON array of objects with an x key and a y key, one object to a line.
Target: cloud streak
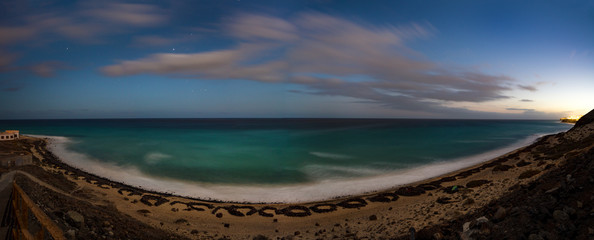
[
  {"x": 88, "y": 23},
  {"x": 334, "y": 57}
]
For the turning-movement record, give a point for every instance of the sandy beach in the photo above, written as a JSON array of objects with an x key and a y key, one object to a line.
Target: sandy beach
[{"x": 113, "y": 210}]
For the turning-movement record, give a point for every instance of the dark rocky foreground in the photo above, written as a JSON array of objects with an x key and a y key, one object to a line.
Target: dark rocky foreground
[{"x": 558, "y": 205}]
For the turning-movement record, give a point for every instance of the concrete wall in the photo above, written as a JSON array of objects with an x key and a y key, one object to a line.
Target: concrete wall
[{"x": 11, "y": 160}]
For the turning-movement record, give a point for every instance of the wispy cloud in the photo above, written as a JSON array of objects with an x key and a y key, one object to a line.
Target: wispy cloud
[
  {"x": 331, "y": 56},
  {"x": 154, "y": 40},
  {"x": 87, "y": 23},
  {"x": 47, "y": 69},
  {"x": 527, "y": 87},
  {"x": 526, "y": 100},
  {"x": 520, "y": 109}
]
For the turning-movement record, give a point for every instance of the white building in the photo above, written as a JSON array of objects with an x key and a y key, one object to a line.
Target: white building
[{"x": 9, "y": 135}]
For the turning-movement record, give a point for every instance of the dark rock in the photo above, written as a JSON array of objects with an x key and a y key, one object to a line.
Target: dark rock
[
  {"x": 410, "y": 191},
  {"x": 260, "y": 237},
  {"x": 477, "y": 183},
  {"x": 528, "y": 174},
  {"x": 372, "y": 218},
  {"x": 522, "y": 163},
  {"x": 500, "y": 214},
  {"x": 535, "y": 237},
  {"x": 181, "y": 221},
  {"x": 569, "y": 210},
  {"x": 502, "y": 168},
  {"x": 468, "y": 201},
  {"x": 443, "y": 200},
  {"x": 70, "y": 234},
  {"x": 560, "y": 216},
  {"x": 75, "y": 218}
]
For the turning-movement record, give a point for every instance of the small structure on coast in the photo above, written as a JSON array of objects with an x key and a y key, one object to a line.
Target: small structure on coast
[
  {"x": 9, "y": 135},
  {"x": 15, "y": 159}
]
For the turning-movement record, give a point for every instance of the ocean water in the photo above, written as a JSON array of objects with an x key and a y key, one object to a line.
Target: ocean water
[{"x": 278, "y": 160}]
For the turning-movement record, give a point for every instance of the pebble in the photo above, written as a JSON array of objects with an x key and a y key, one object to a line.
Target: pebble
[
  {"x": 535, "y": 237},
  {"x": 560, "y": 216},
  {"x": 76, "y": 218},
  {"x": 71, "y": 234},
  {"x": 500, "y": 214}
]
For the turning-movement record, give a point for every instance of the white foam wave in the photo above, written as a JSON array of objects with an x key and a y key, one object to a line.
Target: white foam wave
[
  {"x": 330, "y": 155},
  {"x": 153, "y": 158},
  {"x": 318, "y": 172},
  {"x": 316, "y": 191}
]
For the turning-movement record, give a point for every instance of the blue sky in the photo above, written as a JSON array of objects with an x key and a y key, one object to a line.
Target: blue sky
[{"x": 367, "y": 59}]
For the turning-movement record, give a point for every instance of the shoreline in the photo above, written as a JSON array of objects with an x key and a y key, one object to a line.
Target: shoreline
[
  {"x": 381, "y": 214},
  {"x": 308, "y": 192}
]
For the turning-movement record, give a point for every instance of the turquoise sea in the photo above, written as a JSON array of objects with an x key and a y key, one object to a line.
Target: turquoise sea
[{"x": 272, "y": 160}]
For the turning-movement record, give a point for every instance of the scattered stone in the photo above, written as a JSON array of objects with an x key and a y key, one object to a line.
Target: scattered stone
[
  {"x": 477, "y": 183},
  {"x": 180, "y": 221},
  {"x": 468, "y": 201},
  {"x": 553, "y": 189},
  {"x": 226, "y": 225},
  {"x": 443, "y": 200},
  {"x": 372, "y": 218},
  {"x": 522, "y": 163},
  {"x": 502, "y": 168},
  {"x": 75, "y": 218},
  {"x": 144, "y": 212},
  {"x": 410, "y": 191},
  {"x": 560, "y": 216},
  {"x": 569, "y": 210},
  {"x": 71, "y": 234},
  {"x": 219, "y": 215},
  {"x": 528, "y": 174},
  {"x": 535, "y": 237},
  {"x": 437, "y": 236},
  {"x": 453, "y": 213},
  {"x": 500, "y": 214},
  {"x": 261, "y": 237}
]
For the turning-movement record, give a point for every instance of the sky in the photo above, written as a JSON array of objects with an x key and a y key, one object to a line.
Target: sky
[{"x": 296, "y": 59}]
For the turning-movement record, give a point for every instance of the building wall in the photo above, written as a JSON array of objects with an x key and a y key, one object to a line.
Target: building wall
[{"x": 15, "y": 160}]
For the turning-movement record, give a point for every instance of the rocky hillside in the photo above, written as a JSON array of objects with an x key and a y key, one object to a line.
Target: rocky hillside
[{"x": 558, "y": 205}]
